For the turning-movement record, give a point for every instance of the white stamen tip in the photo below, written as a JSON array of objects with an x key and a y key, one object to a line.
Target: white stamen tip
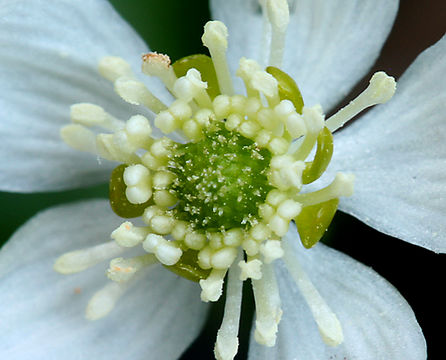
[
  {"x": 215, "y": 34},
  {"x": 112, "y": 68},
  {"x": 153, "y": 63},
  {"x": 382, "y": 87},
  {"x": 165, "y": 251},
  {"x": 251, "y": 269},
  {"x": 128, "y": 235},
  {"x": 88, "y": 114},
  {"x": 278, "y": 13},
  {"x": 212, "y": 287},
  {"x": 79, "y": 137},
  {"x": 271, "y": 250},
  {"x": 104, "y": 301},
  {"x": 343, "y": 184},
  {"x": 79, "y": 260}
]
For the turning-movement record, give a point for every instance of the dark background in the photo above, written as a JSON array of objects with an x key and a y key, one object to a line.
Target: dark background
[{"x": 175, "y": 27}]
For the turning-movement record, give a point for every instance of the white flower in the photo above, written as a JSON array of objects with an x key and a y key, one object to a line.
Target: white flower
[{"x": 49, "y": 62}]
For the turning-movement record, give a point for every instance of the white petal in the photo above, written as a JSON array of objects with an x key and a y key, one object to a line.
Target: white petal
[
  {"x": 48, "y": 61},
  {"x": 397, "y": 152},
  {"x": 377, "y": 322},
  {"x": 329, "y": 46},
  {"x": 42, "y": 312}
]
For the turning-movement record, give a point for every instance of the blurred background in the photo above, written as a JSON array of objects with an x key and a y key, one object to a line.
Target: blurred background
[{"x": 175, "y": 27}]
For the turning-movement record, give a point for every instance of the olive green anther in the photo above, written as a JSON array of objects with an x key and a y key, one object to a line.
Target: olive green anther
[
  {"x": 288, "y": 89},
  {"x": 188, "y": 267},
  {"x": 204, "y": 65},
  {"x": 313, "y": 221},
  {"x": 314, "y": 169},
  {"x": 118, "y": 201}
]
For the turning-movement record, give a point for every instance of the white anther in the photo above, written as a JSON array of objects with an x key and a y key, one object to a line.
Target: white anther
[
  {"x": 314, "y": 119},
  {"x": 127, "y": 235},
  {"x": 137, "y": 179},
  {"x": 278, "y": 145},
  {"x": 271, "y": 250},
  {"x": 266, "y": 118},
  {"x": 260, "y": 232},
  {"x": 250, "y": 246},
  {"x": 289, "y": 209},
  {"x": 138, "y": 130},
  {"x": 295, "y": 125},
  {"x": 281, "y": 161},
  {"x": 204, "y": 257},
  {"x": 250, "y": 270},
  {"x": 222, "y": 106},
  {"x": 180, "y": 110},
  {"x": 263, "y": 138},
  {"x": 247, "y": 68},
  {"x": 211, "y": 288},
  {"x": 93, "y": 115},
  {"x": 104, "y": 300},
  {"x": 215, "y": 39},
  {"x": 80, "y": 260},
  {"x": 136, "y": 93},
  {"x": 164, "y": 198},
  {"x": 266, "y": 84},
  {"x": 223, "y": 258},
  {"x": 134, "y": 174},
  {"x": 112, "y": 68},
  {"x": 122, "y": 270},
  {"x": 279, "y": 225},
  {"x": 195, "y": 240},
  {"x": 166, "y": 122},
  {"x": 165, "y": 251},
  {"x": 161, "y": 148},
  {"x": 233, "y": 121},
  {"x": 179, "y": 230},
  {"x": 192, "y": 129},
  {"x": 380, "y": 90},
  {"x": 190, "y": 86},
  {"x": 216, "y": 240},
  {"x": 162, "y": 179},
  {"x": 233, "y": 237},
  {"x": 79, "y": 138},
  {"x": 275, "y": 197},
  {"x": 154, "y": 64},
  {"x": 266, "y": 211},
  {"x": 150, "y": 212},
  {"x": 162, "y": 224},
  {"x": 284, "y": 108},
  {"x": 249, "y": 129}
]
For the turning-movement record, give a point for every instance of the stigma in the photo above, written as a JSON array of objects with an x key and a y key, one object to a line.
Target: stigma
[{"x": 216, "y": 205}]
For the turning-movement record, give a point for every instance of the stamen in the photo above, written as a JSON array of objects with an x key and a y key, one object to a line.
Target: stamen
[
  {"x": 380, "y": 90},
  {"x": 278, "y": 15},
  {"x": 268, "y": 312},
  {"x": 136, "y": 93},
  {"x": 342, "y": 185},
  {"x": 113, "y": 67},
  {"x": 113, "y": 147},
  {"x": 190, "y": 87},
  {"x": 79, "y": 137},
  {"x": 167, "y": 252},
  {"x": 247, "y": 68},
  {"x": 215, "y": 39},
  {"x": 226, "y": 344},
  {"x": 250, "y": 269},
  {"x": 79, "y": 260},
  {"x": 271, "y": 250},
  {"x": 93, "y": 115},
  {"x": 211, "y": 287},
  {"x": 327, "y": 321},
  {"x": 139, "y": 184},
  {"x": 122, "y": 270},
  {"x": 267, "y": 85},
  {"x": 127, "y": 235},
  {"x": 154, "y": 64}
]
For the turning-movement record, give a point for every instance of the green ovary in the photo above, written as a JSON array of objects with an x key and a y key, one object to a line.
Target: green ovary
[{"x": 222, "y": 180}]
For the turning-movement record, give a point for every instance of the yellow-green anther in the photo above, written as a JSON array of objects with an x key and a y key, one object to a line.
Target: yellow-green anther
[
  {"x": 204, "y": 65},
  {"x": 188, "y": 267},
  {"x": 313, "y": 221},
  {"x": 288, "y": 89},
  {"x": 118, "y": 200},
  {"x": 314, "y": 169}
]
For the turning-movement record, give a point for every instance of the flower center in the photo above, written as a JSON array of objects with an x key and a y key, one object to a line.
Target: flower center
[{"x": 221, "y": 180}]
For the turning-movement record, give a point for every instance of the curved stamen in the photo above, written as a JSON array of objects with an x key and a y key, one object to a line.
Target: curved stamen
[{"x": 326, "y": 320}]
